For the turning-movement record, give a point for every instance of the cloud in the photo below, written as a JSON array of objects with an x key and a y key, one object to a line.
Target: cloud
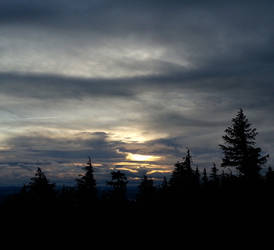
[
  {"x": 152, "y": 78},
  {"x": 62, "y": 158}
]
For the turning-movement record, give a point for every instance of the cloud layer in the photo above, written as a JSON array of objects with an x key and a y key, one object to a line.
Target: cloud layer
[{"x": 108, "y": 78}]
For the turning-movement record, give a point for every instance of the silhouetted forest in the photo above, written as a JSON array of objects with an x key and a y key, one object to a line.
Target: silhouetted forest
[{"x": 239, "y": 187}]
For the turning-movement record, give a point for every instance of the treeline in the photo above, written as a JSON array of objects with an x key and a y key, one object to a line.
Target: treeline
[{"x": 237, "y": 185}]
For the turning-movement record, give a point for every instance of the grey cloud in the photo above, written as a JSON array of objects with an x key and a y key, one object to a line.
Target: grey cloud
[
  {"x": 54, "y": 87},
  {"x": 56, "y": 155},
  {"x": 207, "y": 80},
  {"x": 44, "y": 146},
  {"x": 25, "y": 11},
  {"x": 228, "y": 48}
]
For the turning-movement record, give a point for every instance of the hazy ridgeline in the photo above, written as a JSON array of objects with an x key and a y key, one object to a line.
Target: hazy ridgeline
[{"x": 190, "y": 193}]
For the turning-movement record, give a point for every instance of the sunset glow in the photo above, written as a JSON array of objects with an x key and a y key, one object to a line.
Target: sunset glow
[
  {"x": 129, "y": 85},
  {"x": 139, "y": 157}
]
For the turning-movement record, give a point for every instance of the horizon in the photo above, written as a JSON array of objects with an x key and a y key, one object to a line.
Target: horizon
[{"x": 131, "y": 85}]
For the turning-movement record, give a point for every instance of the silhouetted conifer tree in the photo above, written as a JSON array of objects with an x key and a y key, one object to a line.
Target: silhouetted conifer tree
[
  {"x": 214, "y": 175},
  {"x": 147, "y": 191},
  {"x": 205, "y": 178},
  {"x": 197, "y": 176},
  {"x": 183, "y": 177},
  {"x": 119, "y": 186},
  {"x": 240, "y": 149},
  {"x": 223, "y": 177},
  {"x": 68, "y": 198},
  {"x": 86, "y": 185},
  {"x": 270, "y": 177},
  {"x": 24, "y": 190},
  {"x": 164, "y": 184},
  {"x": 163, "y": 190},
  {"x": 40, "y": 190}
]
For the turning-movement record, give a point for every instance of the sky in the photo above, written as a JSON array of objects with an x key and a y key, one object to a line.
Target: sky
[{"x": 132, "y": 84}]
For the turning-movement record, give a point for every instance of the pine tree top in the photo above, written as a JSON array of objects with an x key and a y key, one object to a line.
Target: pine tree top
[{"x": 239, "y": 147}]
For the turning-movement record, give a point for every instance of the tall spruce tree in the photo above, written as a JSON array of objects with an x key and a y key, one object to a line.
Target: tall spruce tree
[
  {"x": 240, "y": 149},
  {"x": 214, "y": 174},
  {"x": 205, "y": 178},
  {"x": 270, "y": 177},
  {"x": 86, "y": 184},
  {"x": 183, "y": 175},
  {"x": 119, "y": 186},
  {"x": 40, "y": 189},
  {"x": 146, "y": 190},
  {"x": 164, "y": 184},
  {"x": 197, "y": 176}
]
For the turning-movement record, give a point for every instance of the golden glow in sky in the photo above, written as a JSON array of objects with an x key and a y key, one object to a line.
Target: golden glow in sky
[
  {"x": 139, "y": 157},
  {"x": 127, "y": 134}
]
